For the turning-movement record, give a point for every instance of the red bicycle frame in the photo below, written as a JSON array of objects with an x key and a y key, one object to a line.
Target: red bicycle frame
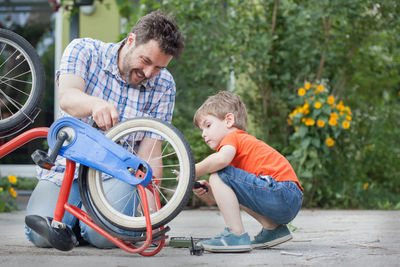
[{"x": 62, "y": 204}]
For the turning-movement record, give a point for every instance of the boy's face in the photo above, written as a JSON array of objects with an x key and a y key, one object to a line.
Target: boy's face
[{"x": 214, "y": 130}]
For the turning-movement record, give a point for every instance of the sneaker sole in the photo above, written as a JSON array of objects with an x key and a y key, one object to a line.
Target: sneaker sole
[
  {"x": 227, "y": 249},
  {"x": 272, "y": 243}
]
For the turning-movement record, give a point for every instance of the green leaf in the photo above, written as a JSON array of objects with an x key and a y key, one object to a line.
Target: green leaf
[
  {"x": 305, "y": 143},
  {"x": 316, "y": 142},
  {"x": 302, "y": 130}
]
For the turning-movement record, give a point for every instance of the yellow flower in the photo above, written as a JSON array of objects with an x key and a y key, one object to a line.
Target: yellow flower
[
  {"x": 12, "y": 192},
  {"x": 317, "y": 105},
  {"x": 309, "y": 122},
  {"x": 366, "y": 186},
  {"x": 334, "y": 115},
  {"x": 348, "y": 118},
  {"x": 296, "y": 128},
  {"x": 1, "y": 189},
  {"x": 331, "y": 100},
  {"x": 329, "y": 141},
  {"x": 308, "y": 85},
  {"x": 332, "y": 121},
  {"x": 347, "y": 110},
  {"x": 294, "y": 112},
  {"x": 12, "y": 179},
  {"x": 301, "y": 92},
  {"x": 320, "y": 123},
  {"x": 346, "y": 125},
  {"x": 320, "y": 89},
  {"x": 340, "y": 106},
  {"x": 289, "y": 121}
]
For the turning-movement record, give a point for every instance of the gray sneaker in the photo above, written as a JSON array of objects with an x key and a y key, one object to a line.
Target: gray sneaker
[
  {"x": 227, "y": 242},
  {"x": 269, "y": 238}
]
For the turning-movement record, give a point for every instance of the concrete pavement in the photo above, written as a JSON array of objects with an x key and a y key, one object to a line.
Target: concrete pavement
[{"x": 322, "y": 237}]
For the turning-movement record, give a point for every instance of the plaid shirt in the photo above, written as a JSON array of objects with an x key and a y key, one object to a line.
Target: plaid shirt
[{"x": 96, "y": 63}]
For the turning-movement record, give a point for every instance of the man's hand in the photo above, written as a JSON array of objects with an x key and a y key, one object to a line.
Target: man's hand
[
  {"x": 104, "y": 114},
  {"x": 77, "y": 103}
]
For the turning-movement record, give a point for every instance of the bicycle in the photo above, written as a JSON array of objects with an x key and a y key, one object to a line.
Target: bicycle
[{"x": 112, "y": 156}]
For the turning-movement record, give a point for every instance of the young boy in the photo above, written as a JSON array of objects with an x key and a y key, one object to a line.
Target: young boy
[{"x": 244, "y": 173}]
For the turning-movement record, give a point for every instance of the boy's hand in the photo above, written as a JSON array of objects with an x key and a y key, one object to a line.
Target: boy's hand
[
  {"x": 203, "y": 194},
  {"x": 201, "y": 191},
  {"x": 199, "y": 185}
]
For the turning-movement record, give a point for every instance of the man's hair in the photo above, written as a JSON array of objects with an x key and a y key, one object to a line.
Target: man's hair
[
  {"x": 221, "y": 104},
  {"x": 158, "y": 26}
]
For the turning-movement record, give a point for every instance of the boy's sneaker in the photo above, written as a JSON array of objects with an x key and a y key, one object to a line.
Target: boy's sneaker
[
  {"x": 269, "y": 238},
  {"x": 227, "y": 242}
]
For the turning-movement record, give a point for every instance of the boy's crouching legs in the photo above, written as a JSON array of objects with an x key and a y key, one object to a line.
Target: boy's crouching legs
[{"x": 227, "y": 203}]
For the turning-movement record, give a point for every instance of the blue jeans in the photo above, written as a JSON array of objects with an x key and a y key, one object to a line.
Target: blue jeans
[
  {"x": 43, "y": 202},
  {"x": 277, "y": 201}
]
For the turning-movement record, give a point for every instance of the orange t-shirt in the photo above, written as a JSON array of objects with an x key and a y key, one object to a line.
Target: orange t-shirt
[{"x": 256, "y": 157}]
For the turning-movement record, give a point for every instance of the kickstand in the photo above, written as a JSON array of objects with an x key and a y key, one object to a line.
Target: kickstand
[{"x": 195, "y": 250}]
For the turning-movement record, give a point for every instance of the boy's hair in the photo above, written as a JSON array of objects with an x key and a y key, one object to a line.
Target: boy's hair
[
  {"x": 158, "y": 26},
  {"x": 221, "y": 104}
]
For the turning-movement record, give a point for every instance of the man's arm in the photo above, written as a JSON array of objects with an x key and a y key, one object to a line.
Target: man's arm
[
  {"x": 216, "y": 161},
  {"x": 150, "y": 151},
  {"x": 77, "y": 103}
]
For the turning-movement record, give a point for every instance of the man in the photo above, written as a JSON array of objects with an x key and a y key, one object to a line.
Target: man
[{"x": 111, "y": 83}]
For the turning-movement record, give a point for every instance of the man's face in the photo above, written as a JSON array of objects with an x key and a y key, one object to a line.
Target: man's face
[{"x": 142, "y": 62}]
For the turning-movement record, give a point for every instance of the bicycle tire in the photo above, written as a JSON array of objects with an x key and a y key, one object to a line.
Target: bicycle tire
[
  {"x": 18, "y": 54},
  {"x": 97, "y": 203}
]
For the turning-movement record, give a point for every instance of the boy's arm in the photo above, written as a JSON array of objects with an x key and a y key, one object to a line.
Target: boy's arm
[{"x": 216, "y": 161}]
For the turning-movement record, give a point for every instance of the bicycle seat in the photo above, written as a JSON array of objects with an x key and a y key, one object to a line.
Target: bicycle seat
[{"x": 62, "y": 239}]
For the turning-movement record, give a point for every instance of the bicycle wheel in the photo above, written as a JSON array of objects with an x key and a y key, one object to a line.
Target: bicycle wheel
[
  {"x": 176, "y": 157},
  {"x": 21, "y": 82}
]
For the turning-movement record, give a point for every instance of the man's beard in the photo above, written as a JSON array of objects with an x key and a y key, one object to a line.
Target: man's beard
[{"x": 128, "y": 76}]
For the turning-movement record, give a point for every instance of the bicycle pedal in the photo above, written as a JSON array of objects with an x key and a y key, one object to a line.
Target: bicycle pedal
[{"x": 42, "y": 159}]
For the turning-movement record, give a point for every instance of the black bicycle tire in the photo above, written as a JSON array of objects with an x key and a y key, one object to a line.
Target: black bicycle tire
[
  {"x": 98, "y": 216},
  {"x": 36, "y": 94}
]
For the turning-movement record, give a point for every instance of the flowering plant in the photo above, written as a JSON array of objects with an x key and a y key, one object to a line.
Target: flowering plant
[
  {"x": 319, "y": 119},
  {"x": 318, "y": 116},
  {"x": 8, "y": 194}
]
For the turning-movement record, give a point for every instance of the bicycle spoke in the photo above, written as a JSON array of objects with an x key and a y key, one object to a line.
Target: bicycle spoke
[
  {"x": 151, "y": 152},
  {"x": 5, "y": 61},
  {"x": 17, "y": 89},
  {"x": 16, "y": 80},
  {"x": 164, "y": 179},
  {"x": 161, "y": 193},
  {"x": 5, "y": 106},
  {"x": 164, "y": 156},
  {"x": 167, "y": 166}
]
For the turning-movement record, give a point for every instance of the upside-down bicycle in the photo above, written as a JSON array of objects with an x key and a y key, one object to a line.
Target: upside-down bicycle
[{"x": 101, "y": 157}]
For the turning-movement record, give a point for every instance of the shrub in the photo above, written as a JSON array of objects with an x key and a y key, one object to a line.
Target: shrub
[{"x": 319, "y": 121}]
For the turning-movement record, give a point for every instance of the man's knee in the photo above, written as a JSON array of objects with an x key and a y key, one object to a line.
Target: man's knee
[
  {"x": 95, "y": 239},
  {"x": 36, "y": 239}
]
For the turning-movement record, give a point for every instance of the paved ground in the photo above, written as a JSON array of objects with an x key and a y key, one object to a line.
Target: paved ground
[{"x": 322, "y": 237}]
